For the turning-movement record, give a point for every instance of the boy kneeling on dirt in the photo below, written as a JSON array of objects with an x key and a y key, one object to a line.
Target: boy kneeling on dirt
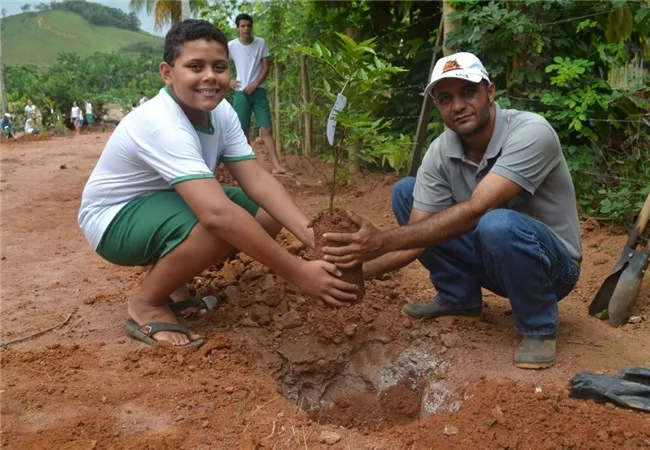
[{"x": 153, "y": 199}]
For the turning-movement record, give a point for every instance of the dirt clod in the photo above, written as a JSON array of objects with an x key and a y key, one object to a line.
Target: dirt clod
[
  {"x": 329, "y": 437},
  {"x": 291, "y": 319},
  {"x": 497, "y": 414},
  {"x": 451, "y": 340},
  {"x": 450, "y": 430}
]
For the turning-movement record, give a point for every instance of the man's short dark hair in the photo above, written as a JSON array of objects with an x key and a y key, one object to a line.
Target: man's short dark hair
[
  {"x": 243, "y": 16},
  {"x": 190, "y": 30}
]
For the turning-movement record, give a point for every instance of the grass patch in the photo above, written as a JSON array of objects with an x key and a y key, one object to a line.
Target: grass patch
[{"x": 37, "y": 38}]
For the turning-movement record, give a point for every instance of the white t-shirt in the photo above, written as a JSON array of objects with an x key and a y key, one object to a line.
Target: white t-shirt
[
  {"x": 154, "y": 147},
  {"x": 30, "y": 111},
  {"x": 248, "y": 60},
  {"x": 74, "y": 113},
  {"x": 89, "y": 108}
]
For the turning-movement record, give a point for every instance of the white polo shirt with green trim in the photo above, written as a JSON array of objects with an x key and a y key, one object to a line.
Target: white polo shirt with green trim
[{"x": 154, "y": 147}]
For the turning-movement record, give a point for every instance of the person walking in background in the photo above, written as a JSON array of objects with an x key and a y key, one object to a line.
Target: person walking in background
[
  {"x": 74, "y": 116},
  {"x": 143, "y": 99},
  {"x": 251, "y": 57},
  {"x": 90, "y": 118}
]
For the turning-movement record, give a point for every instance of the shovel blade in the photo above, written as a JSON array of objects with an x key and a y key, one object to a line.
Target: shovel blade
[
  {"x": 627, "y": 288},
  {"x": 600, "y": 302}
]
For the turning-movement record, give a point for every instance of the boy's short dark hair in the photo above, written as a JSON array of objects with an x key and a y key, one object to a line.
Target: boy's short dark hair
[
  {"x": 190, "y": 30},
  {"x": 243, "y": 16}
]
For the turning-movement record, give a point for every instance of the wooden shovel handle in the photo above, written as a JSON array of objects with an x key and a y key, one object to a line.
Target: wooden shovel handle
[{"x": 640, "y": 225}]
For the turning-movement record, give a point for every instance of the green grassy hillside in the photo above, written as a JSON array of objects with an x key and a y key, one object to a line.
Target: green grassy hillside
[{"x": 36, "y": 38}]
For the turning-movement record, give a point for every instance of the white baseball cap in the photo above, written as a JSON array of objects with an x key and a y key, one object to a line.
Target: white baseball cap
[{"x": 463, "y": 65}]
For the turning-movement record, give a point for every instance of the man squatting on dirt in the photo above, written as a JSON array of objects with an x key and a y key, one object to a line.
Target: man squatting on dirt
[
  {"x": 153, "y": 199},
  {"x": 492, "y": 206}
]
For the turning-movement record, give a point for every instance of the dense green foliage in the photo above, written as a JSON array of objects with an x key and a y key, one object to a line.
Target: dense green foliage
[
  {"x": 98, "y": 14},
  {"x": 37, "y": 38},
  {"x": 103, "y": 78},
  {"x": 580, "y": 64},
  {"x": 359, "y": 76},
  {"x": 583, "y": 65}
]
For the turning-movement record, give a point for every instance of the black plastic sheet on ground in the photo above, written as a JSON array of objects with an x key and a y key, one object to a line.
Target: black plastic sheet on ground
[{"x": 629, "y": 389}]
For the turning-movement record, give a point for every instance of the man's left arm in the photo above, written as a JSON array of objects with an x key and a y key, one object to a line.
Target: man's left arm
[{"x": 265, "y": 190}]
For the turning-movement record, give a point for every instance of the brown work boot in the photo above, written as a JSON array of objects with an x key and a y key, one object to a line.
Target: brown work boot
[{"x": 535, "y": 352}]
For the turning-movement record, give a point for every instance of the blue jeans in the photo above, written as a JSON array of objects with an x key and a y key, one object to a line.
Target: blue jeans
[{"x": 507, "y": 253}]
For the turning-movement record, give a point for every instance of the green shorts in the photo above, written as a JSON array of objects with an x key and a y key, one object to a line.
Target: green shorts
[
  {"x": 148, "y": 228},
  {"x": 256, "y": 103},
  {"x": 90, "y": 119}
]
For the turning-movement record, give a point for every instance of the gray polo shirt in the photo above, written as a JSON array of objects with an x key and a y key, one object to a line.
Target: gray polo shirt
[{"x": 524, "y": 149}]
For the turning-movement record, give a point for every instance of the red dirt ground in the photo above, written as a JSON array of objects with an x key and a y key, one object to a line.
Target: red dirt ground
[{"x": 85, "y": 385}]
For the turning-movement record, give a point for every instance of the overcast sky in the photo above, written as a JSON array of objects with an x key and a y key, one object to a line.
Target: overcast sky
[{"x": 13, "y": 7}]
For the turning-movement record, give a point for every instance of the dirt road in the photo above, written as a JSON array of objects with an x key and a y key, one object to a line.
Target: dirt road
[{"x": 278, "y": 371}]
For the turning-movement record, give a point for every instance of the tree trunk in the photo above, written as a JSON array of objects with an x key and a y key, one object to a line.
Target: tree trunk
[
  {"x": 3, "y": 92},
  {"x": 305, "y": 93},
  {"x": 276, "y": 107},
  {"x": 425, "y": 112},
  {"x": 353, "y": 151},
  {"x": 185, "y": 9},
  {"x": 449, "y": 27}
]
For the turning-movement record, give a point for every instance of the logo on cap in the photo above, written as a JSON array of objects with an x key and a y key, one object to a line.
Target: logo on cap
[{"x": 450, "y": 65}]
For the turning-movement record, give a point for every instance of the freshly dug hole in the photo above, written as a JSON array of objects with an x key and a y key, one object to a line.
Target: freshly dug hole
[
  {"x": 373, "y": 385},
  {"x": 324, "y": 222}
]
